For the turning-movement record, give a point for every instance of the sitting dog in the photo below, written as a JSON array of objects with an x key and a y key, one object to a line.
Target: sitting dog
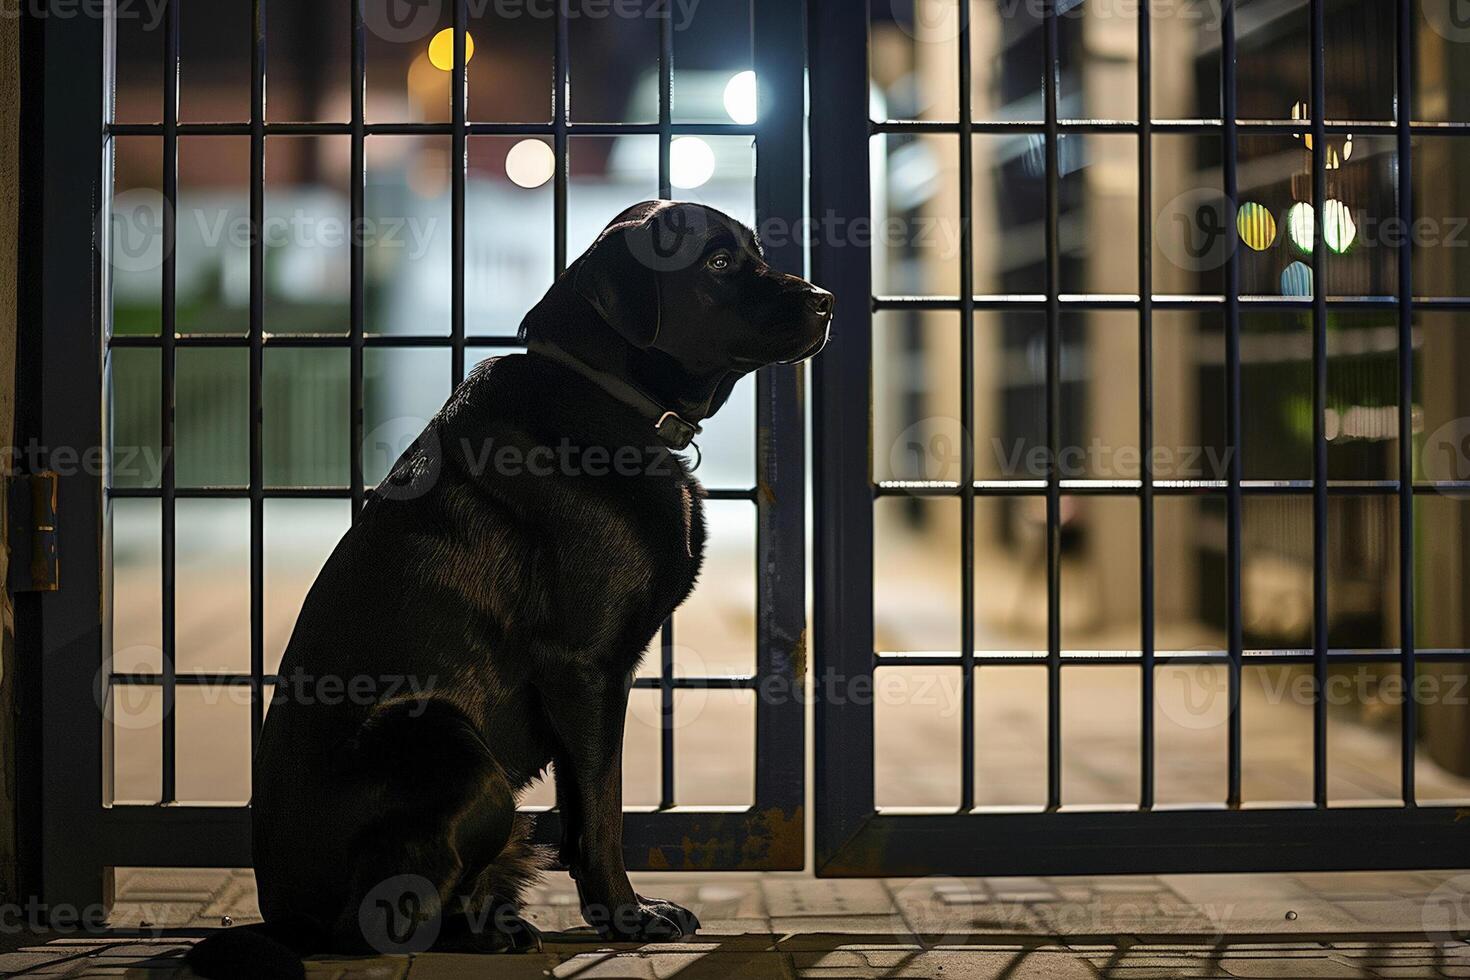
[{"x": 510, "y": 571}]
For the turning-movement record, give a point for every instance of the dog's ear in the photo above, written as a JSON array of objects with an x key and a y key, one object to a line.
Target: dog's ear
[{"x": 617, "y": 277}]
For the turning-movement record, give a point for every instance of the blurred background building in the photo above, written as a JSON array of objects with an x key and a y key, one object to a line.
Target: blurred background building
[
  {"x": 916, "y": 421},
  {"x": 916, "y": 399}
]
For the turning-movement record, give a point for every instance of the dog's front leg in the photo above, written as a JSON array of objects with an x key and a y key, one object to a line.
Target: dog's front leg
[{"x": 587, "y": 709}]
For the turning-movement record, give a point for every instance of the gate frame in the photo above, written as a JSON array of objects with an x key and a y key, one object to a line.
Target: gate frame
[
  {"x": 854, "y": 838},
  {"x": 80, "y": 839}
]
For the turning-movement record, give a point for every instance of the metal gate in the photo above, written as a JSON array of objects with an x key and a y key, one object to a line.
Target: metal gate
[
  {"x": 855, "y": 834},
  {"x": 79, "y": 350}
]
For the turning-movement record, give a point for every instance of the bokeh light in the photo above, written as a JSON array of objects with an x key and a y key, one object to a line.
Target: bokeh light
[
  {"x": 1340, "y": 228},
  {"x": 691, "y": 163},
  {"x": 740, "y": 98},
  {"x": 1256, "y": 226},
  {"x": 1301, "y": 226},
  {"x": 1296, "y": 280},
  {"x": 441, "y": 49},
  {"x": 530, "y": 163}
]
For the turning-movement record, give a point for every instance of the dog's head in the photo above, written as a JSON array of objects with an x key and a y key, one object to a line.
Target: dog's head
[{"x": 693, "y": 283}]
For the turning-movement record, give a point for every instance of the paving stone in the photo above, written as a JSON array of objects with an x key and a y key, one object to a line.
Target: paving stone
[
  {"x": 884, "y": 929},
  {"x": 939, "y": 926},
  {"x": 446, "y": 966},
  {"x": 1013, "y": 964},
  {"x": 1269, "y": 968},
  {"x": 826, "y": 897},
  {"x": 1131, "y": 886},
  {"x": 686, "y": 966}
]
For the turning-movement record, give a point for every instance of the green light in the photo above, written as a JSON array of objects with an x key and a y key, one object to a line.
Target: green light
[
  {"x": 1340, "y": 228},
  {"x": 1301, "y": 226}
]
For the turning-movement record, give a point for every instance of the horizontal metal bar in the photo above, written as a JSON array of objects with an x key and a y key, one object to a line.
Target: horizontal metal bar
[
  {"x": 1129, "y": 301},
  {"x": 144, "y": 679},
  {"x": 1116, "y": 658},
  {"x": 695, "y": 839},
  {"x": 343, "y": 341},
  {"x": 1249, "y": 127},
  {"x": 323, "y": 493},
  {"x": 1201, "y": 840},
  {"x": 1170, "y": 488},
  {"x": 433, "y": 129}
]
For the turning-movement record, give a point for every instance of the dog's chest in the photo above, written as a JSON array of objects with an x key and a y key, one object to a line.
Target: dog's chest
[{"x": 684, "y": 558}]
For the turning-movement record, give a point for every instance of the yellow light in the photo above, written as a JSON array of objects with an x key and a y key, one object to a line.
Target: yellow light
[
  {"x": 1336, "y": 157},
  {"x": 1256, "y": 226},
  {"x": 441, "y": 49},
  {"x": 530, "y": 163},
  {"x": 1300, "y": 112}
]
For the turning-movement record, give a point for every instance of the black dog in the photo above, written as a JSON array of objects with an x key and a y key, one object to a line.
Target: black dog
[{"x": 505, "y": 579}]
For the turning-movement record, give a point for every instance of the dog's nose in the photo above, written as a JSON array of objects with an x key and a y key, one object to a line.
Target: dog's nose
[{"x": 820, "y": 302}]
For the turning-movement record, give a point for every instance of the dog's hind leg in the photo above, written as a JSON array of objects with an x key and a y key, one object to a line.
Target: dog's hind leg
[
  {"x": 443, "y": 813},
  {"x": 491, "y": 901}
]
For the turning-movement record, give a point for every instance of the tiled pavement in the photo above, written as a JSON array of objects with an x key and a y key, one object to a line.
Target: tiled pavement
[{"x": 1395, "y": 925}]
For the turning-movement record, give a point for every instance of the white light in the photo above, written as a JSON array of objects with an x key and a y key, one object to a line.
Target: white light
[
  {"x": 530, "y": 163},
  {"x": 691, "y": 163},
  {"x": 740, "y": 98}
]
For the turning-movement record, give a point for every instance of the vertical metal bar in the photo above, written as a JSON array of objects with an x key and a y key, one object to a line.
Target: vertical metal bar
[
  {"x": 1052, "y": 67},
  {"x": 169, "y": 330},
  {"x": 1234, "y": 496},
  {"x": 666, "y": 715},
  {"x": 560, "y": 95},
  {"x": 457, "y": 156},
  {"x": 665, "y": 191},
  {"x": 1319, "y": 402},
  {"x": 779, "y": 59},
  {"x": 1407, "y": 668},
  {"x": 60, "y": 638},
  {"x": 358, "y": 252},
  {"x": 967, "y": 413},
  {"x": 665, "y": 101},
  {"x": 1146, "y": 402},
  {"x": 842, "y": 507},
  {"x": 257, "y": 368}
]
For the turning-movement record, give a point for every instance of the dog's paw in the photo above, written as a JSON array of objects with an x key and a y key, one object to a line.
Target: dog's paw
[{"x": 651, "y": 920}]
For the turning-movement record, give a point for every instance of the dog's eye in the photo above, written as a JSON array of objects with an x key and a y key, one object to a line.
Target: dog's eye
[{"x": 720, "y": 261}]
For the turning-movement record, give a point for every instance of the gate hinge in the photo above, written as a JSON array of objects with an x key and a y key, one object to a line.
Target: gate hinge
[{"x": 32, "y": 513}]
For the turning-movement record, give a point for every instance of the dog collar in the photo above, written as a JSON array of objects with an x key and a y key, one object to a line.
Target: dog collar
[{"x": 671, "y": 429}]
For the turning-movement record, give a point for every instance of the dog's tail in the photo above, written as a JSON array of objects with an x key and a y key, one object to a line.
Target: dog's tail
[{"x": 265, "y": 951}]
